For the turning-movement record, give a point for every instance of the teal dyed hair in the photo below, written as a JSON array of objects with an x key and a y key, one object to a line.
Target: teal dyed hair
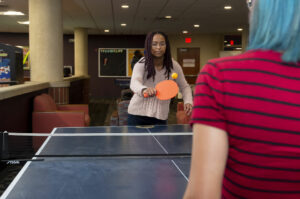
[{"x": 275, "y": 25}]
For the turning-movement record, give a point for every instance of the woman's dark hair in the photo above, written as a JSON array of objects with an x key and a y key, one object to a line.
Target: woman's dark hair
[{"x": 149, "y": 64}]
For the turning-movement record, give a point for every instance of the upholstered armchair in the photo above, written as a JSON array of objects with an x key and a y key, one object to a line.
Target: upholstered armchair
[{"x": 48, "y": 115}]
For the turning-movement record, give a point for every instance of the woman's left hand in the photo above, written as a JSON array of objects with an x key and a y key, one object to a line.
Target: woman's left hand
[{"x": 188, "y": 108}]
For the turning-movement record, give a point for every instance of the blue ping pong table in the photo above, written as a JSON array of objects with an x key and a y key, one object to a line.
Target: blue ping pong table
[{"x": 86, "y": 177}]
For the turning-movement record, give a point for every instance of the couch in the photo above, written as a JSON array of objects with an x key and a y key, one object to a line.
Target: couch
[{"x": 48, "y": 115}]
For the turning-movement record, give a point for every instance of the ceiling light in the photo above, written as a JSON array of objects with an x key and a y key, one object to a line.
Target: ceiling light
[
  {"x": 196, "y": 25},
  {"x": 185, "y": 32},
  {"x": 227, "y": 7},
  {"x": 238, "y": 48},
  {"x": 11, "y": 13},
  {"x": 240, "y": 29},
  {"x": 123, "y": 24},
  {"x": 125, "y": 6},
  {"x": 168, "y": 17},
  {"x": 106, "y": 30},
  {"x": 23, "y": 22}
]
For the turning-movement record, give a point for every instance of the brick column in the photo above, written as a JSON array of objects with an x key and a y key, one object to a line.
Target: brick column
[{"x": 59, "y": 91}]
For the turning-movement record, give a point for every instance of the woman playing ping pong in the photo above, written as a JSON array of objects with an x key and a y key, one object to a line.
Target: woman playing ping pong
[{"x": 156, "y": 66}]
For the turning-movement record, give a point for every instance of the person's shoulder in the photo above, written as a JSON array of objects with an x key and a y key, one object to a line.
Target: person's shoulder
[
  {"x": 227, "y": 58},
  {"x": 246, "y": 57},
  {"x": 174, "y": 61},
  {"x": 140, "y": 62},
  {"x": 176, "y": 65},
  {"x": 223, "y": 62}
]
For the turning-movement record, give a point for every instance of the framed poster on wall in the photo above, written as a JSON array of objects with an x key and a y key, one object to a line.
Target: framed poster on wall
[
  {"x": 116, "y": 62},
  {"x": 112, "y": 62},
  {"x": 26, "y": 53},
  {"x": 133, "y": 55}
]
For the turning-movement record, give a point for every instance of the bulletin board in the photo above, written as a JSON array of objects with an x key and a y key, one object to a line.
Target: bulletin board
[
  {"x": 112, "y": 62},
  {"x": 116, "y": 62}
]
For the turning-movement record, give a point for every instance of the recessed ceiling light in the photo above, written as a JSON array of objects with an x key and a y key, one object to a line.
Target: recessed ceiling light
[
  {"x": 196, "y": 25},
  {"x": 240, "y": 29},
  {"x": 238, "y": 48},
  {"x": 23, "y": 22},
  {"x": 12, "y": 13},
  {"x": 168, "y": 17},
  {"x": 106, "y": 30},
  {"x": 123, "y": 24},
  {"x": 124, "y": 6},
  {"x": 185, "y": 32},
  {"x": 227, "y": 7}
]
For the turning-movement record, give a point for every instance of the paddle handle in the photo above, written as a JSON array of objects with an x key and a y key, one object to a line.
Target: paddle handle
[{"x": 146, "y": 94}]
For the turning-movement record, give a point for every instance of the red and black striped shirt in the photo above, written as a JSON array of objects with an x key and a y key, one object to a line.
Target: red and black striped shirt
[{"x": 255, "y": 98}]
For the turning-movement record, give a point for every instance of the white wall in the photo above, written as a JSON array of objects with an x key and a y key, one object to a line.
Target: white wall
[{"x": 210, "y": 45}]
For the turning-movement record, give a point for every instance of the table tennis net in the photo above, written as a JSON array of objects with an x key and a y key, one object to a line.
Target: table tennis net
[{"x": 25, "y": 146}]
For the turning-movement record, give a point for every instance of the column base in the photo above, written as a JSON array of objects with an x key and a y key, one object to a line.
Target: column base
[{"x": 59, "y": 91}]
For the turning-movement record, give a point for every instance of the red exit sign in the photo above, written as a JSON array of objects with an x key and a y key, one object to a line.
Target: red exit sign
[{"x": 188, "y": 40}]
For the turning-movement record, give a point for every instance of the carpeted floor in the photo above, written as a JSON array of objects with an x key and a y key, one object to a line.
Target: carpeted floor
[
  {"x": 7, "y": 174},
  {"x": 99, "y": 111},
  {"x": 172, "y": 114}
]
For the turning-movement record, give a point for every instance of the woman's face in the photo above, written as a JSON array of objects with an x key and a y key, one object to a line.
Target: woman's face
[{"x": 158, "y": 46}]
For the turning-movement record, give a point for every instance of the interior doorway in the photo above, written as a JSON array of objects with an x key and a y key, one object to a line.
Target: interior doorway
[{"x": 189, "y": 59}]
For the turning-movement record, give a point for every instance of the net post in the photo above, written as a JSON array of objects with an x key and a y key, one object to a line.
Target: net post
[{"x": 4, "y": 145}]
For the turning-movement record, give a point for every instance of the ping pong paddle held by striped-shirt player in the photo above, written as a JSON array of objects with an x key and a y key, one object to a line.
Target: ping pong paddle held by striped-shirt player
[{"x": 166, "y": 89}]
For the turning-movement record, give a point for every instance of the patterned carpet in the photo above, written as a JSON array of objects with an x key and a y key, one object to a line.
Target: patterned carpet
[
  {"x": 7, "y": 174},
  {"x": 99, "y": 110}
]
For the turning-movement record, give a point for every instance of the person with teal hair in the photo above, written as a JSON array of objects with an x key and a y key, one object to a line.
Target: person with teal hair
[
  {"x": 246, "y": 113},
  {"x": 275, "y": 25}
]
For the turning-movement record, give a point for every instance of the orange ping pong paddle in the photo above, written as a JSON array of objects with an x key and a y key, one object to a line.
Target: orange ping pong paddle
[{"x": 165, "y": 90}]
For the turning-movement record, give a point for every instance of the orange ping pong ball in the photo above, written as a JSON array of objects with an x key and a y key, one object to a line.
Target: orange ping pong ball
[{"x": 174, "y": 75}]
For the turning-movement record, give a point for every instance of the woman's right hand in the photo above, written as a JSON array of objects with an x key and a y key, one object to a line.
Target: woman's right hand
[{"x": 149, "y": 92}]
